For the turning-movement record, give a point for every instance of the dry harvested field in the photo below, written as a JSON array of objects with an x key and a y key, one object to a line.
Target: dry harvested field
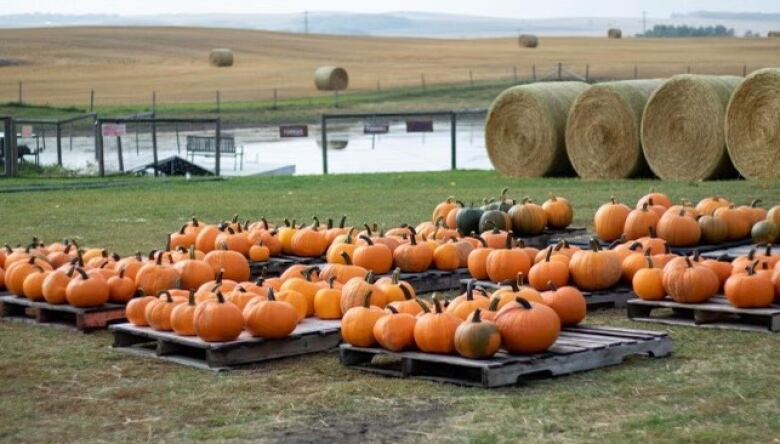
[{"x": 124, "y": 65}]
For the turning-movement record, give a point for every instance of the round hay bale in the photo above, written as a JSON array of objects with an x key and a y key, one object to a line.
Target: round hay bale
[
  {"x": 525, "y": 129},
  {"x": 614, "y": 33},
  {"x": 753, "y": 125},
  {"x": 222, "y": 57},
  {"x": 682, "y": 128},
  {"x": 331, "y": 78},
  {"x": 528, "y": 41},
  {"x": 602, "y": 132}
]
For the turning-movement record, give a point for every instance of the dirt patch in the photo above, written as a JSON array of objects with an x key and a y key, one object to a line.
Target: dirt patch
[
  {"x": 4, "y": 63},
  {"x": 371, "y": 425}
]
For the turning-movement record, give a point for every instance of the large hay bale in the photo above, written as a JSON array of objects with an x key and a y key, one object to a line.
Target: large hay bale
[
  {"x": 753, "y": 125},
  {"x": 528, "y": 41},
  {"x": 221, "y": 57},
  {"x": 614, "y": 33},
  {"x": 682, "y": 128},
  {"x": 603, "y": 129},
  {"x": 525, "y": 129},
  {"x": 331, "y": 78}
]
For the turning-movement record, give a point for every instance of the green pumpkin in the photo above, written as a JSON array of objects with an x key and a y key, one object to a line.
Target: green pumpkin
[
  {"x": 475, "y": 339},
  {"x": 764, "y": 232},
  {"x": 494, "y": 219},
  {"x": 528, "y": 219},
  {"x": 467, "y": 220}
]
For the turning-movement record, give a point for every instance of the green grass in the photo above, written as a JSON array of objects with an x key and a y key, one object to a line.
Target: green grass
[
  {"x": 432, "y": 98},
  {"x": 62, "y": 386}
]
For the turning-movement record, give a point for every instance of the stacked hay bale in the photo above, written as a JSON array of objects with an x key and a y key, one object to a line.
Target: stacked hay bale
[
  {"x": 753, "y": 125},
  {"x": 528, "y": 41},
  {"x": 525, "y": 129},
  {"x": 603, "y": 130},
  {"x": 683, "y": 128},
  {"x": 614, "y": 33},
  {"x": 221, "y": 57},
  {"x": 331, "y": 78}
]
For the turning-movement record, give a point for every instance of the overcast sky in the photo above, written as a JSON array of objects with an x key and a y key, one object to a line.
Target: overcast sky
[{"x": 496, "y": 8}]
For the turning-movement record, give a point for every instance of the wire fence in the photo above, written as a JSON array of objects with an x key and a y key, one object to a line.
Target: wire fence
[{"x": 38, "y": 92}]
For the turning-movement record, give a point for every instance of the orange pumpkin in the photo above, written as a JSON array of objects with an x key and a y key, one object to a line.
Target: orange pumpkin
[
  {"x": 217, "y": 320},
  {"x": 183, "y": 317},
  {"x": 270, "y": 319},
  {"x": 395, "y": 330},
  {"x": 233, "y": 265},
  {"x": 443, "y": 209},
  {"x": 393, "y": 287},
  {"x": 504, "y": 264},
  {"x": 647, "y": 283},
  {"x": 477, "y": 261},
  {"x": 136, "y": 310},
  {"x": 158, "y": 312},
  {"x": 55, "y": 284},
  {"x": 413, "y": 257},
  {"x": 193, "y": 272},
  {"x": 344, "y": 271},
  {"x": 356, "y": 289},
  {"x": 610, "y": 219},
  {"x": 678, "y": 229},
  {"x": 377, "y": 258},
  {"x": 327, "y": 302},
  {"x": 736, "y": 221},
  {"x": 596, "y": 269},
  {"x": 465, "y": 304},
  {"x": 86, "y": 291},
  {"x": 155, "y": 277},
  {"x": 749, "y": 290},
  {"x": 707, "y": 206},
  {"x": 357, "y": 324},
  {"x": 309, "y": 241},
  {"x": 446, "y": 257},
  {"x": 528, "y": 327},
  {"x": 434, "y": 331},
  {"x": 653, "y": 198},
  {"x": 548, "y": 270},
  {"x": 568, "y": 303},
  {"x": 410, "y": 304},
  {"x": 639, "y": 222},
  {"x": 690, "y": 283},
  {"x": 121, "y": 288},
  {"x": 559, "y": 212}
]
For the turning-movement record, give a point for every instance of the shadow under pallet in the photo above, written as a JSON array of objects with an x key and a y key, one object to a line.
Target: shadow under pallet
[
  {"x": 716, "y": 313},
  {"x": 577, "y": 349},
  {"x": 548, "y": 236},
  {"x": 613, "y": 298},
  {"x": 311, "y": 336},
  {"x": 275, "y": 266},
  {"x": 584, "y": 241},
  {"x": 14, "y": 308}
]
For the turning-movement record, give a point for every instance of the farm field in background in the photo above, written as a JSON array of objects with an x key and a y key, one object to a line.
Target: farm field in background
[
  {"x": 694, "y": 395},
  {"x": 60, "y": 66}
]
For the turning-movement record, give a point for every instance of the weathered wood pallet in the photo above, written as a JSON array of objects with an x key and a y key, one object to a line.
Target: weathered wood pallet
[
  {"x": 82, "y": 319},
  {"x": 277, "y": 265},
  {"x": 577, "y": 349},
  {"x": 584, "y": 241},
  {"x": 553, "y": 236},
  {"x": 732, "y": 253},
  {"x": 717, "y": 313},
  {"x": 435, "y": 280},
  {"x": 613, "y": 298},
  {"x": 311, "y": 336}
]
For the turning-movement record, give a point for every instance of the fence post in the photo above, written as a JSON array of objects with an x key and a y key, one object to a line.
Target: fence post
[
  {"x": 92, "y": 101},
  {"x": 154, "y": 145},
  {"x": 533, "y": 72},
  {"x": 514, "y": 73},
  {"x": 689, "y": 69},
  {"x": 178, "y": 143},
  {"x": 119, "y": 154},
  {"x": 636, "y": 72},
  {"x": 154, "y": 105},
  {"x": 454, "y": 141},
  {"x": 471, "y": 78},
  {"x": 422, "y": 80},
  {"x": 59, "y": 144},
  {"x": 336, "y": 98},
  {"x": 324, "y": 131},
  {"x": 9, "y": 145},
  {"x": 560, "y": 71},
  {"x": 744, "y": 70},
  {"x": 218, "y": 103},
  {"x": 587, "y": 73},
  {"x": 99, "y": 147},
  {"x": 218, "y": 148},
  {"x": 276, "y": 96}
]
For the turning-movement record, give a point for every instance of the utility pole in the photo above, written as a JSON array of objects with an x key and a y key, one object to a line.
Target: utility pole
[
  {"x": 644, "y": 22},
  {"x": 306, "y": 22}
]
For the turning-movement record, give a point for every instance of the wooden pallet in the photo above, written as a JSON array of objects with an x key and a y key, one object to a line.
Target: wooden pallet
[
  {"x": 584, "y": 240},
  {"x": 614, "y": 298},
  {"x": 717, "y": 313},
  {"x": 553, "y": 236},
  {"x": 577, "y": 349},
  {"x": 435, "y": 280},
  {"x": 82, "y": 319},
  {"x": 311, "y": 336},
  {"x": 732, "y": 253},
  {"x": 277, "y": 265}
]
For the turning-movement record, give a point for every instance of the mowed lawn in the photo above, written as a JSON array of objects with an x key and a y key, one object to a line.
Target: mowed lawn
[{"x": 63, "y": 386}]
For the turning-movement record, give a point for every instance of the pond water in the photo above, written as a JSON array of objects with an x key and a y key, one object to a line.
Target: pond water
[{"x": 350, "y": 150}]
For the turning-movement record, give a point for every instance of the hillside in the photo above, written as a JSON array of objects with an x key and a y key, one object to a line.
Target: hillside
[{"x": 124, "y": 65}]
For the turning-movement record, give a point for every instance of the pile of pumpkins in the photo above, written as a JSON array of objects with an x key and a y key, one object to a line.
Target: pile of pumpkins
[
  {"x": 751, "y": 281},
  {"x": 474, "y": 325},
  {"x": 712, "y": 221}
]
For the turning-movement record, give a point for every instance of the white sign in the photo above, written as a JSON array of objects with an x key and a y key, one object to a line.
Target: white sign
[
  {"x": 114, "y": 129},
  {"x": 27, "y": 130}
]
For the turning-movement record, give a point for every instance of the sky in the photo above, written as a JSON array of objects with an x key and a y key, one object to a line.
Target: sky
[{"x": 494, "y": 8}]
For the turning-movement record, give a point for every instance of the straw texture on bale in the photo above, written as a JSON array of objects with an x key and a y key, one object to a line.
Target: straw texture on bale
[
  {"x": 221, "y": 57},
  {"x": 528, "y": 41},
  {"x": 753, "y": 125},
  {"x": 602, "y": 132},
  {"x": 331, "y": 78},
  {"x": 682, "y": 128},
  {"x": 615, "y": 33},
  {"x": 525, "y": 129}
]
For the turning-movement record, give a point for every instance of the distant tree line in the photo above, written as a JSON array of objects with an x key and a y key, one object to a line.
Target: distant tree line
[{"x": 688, "y": 31}]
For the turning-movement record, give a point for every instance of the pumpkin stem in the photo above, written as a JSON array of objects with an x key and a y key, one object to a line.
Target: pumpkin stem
[
  {"x": 509, "y": 241},
  {"x": 316, "y": 225},
  {"x": 423, "y": 305},
  {"x": 594, "y": 245},
  {"x": 191, "y": 297},
  {"x": 470, "y": 290},
  {"x": 330, "y": 223},
  {"x": 755, "y": 203},
  {"x": 396, "y": 276},
  {"x": 368, "y": 229},
  {"x": 751, "y": 270},
  {"x": 475, "y": 319},
  {"x": 368, "y": 240},
  {"x": 649, "y": 260},
  {"x": 82, "y": 273},
  {"x": 494, "y": 303},
  {"x": 437, "y": 303},
  {"x": 482, "y": 241},
  {"x": 768, "y": 251},
  {"x": 370, "y": 277},
  {"x": 392, "y": 309},
  {"x": 167, "y": 295},
  {"x": 551, "y": 286},
  {"x": 220, "y": 298},
  {"x": 520, "y": 280},
  {"x": 549, "y": 253},
  {"x": 271, "y": 296},
  {"x": 343, "y": 221},
  {"x": 307, "y": 272},
  {"x": 183, "y": 228},
  {"x": 406, "y": 292},
  {"x": 688, "y": 261},
  {"x": 524, "y": 303},
  {"x": 367, "y": 300},
  {"x": 331, "y": 281},
  {"x": 651, "y": 230},
  {"x": 696, "y": 255}
]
